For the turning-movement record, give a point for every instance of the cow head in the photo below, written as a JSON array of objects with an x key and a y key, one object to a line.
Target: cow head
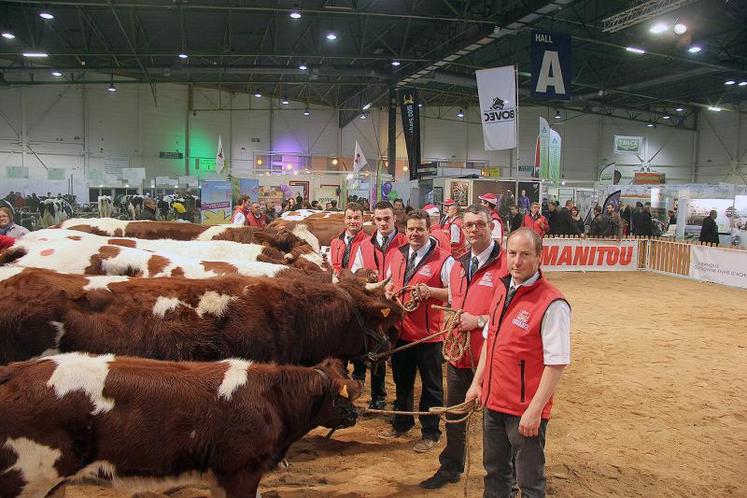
[{"x": 337, "y": 409}]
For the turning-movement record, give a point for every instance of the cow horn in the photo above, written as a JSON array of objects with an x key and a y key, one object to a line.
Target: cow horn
[
  {"x": 377, "y": 285},
  {"x": 344, "y": 391}
]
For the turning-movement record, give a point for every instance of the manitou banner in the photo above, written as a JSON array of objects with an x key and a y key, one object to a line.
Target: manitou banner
[
  {"x": 499, "y": 106},
  {"x": 589, "y": 255}
]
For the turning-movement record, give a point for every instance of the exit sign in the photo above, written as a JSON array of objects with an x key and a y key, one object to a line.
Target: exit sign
[{"x": 171, "y": 155}]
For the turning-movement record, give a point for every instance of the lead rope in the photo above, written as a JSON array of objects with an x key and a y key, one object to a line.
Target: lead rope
[{"x": 418, "y": 294}]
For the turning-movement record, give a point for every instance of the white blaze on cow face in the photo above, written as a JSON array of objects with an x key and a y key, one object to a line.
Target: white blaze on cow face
[
  {"x": 212, "y": 232},
  {"x": 214, "y": 303},
  {"x": 106, "y": 225},
  {"x": 302, "y": 232},
  {"x": 80, "y": 372},
  {"x": 35, "y": 463},
  {"x": 234, "y": 377},
  {"x": 103, "y": 282},
  {"x": 7, "y": 272},
  {"x": 316, "y": 259},
  {"x": 165, "y": 304}
]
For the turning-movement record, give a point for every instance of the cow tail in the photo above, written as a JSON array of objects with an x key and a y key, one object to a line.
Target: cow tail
[{"x": 11, "y": 254}]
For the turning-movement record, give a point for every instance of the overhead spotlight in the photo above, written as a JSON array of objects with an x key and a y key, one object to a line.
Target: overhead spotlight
[
  {"x": 46, "y": 15},
  {"x": 259, "y": 162},
  {"x": 56, "y": 74},
  {"x": 420, "y": 104},
  {"x": 680, "y": 29},
  {"x": 405, "y": 168},
  {"x": 334, "y": 162},
  {"x": 306, "y": 112},
  {"x": 666, "y": 116},
  {"x": 635, "y": 50},
  {"x": 658, "y": 28},
  {"x": 183, "y": 56},
  {"x": 367, "y": 106},
  {"x": 295, "y": 14},
  {"x": 460, "y": 114},
  {"x": 112, "y": 88},
  {"x": 303, "y": 67},
  {"x": 714, "y": 108},
  {"x": 257, "y": 93},
  {"x": 331, "y": 36},
  {"x": 289, "y": 166},
  {"x": 284, "y": 100},
  {"x": 563, "y": 182},
  {"x": 680, "y": 109},
  {"x": 742, "y": 83},
  {"x": 34, "y": 54},
  {"x": 363, "y": 115},
  {"x": 8, "y": 35},
  {"x": 694, "y": 49},
  {"x": 395, "y": 63},
  {"x": 557, "y": 114},
  {"x": 729, "y": 82}
]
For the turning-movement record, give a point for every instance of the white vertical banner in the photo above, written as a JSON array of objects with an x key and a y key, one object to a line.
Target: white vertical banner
[
  {"x": 219, "y": 158},
  {"x": 499, "y": 106},
  {"x": 359, "y": 160}
]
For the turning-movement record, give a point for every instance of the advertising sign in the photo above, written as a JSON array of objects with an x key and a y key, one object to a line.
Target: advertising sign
[
  {"x": 625, "y": 144},
  {"x": 721, "y": 266},
  {"x": 499, "y": 106},
  {"x": 551, "y": 66},
  {"x": 215, "y": 206},
  {"x": 589, "y": 255}
]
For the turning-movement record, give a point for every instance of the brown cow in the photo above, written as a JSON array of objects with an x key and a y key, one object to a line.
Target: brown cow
[
  {"x": 298, "y": 321},
  {"x": 323, "y": 229},
  {"x": 156, "y": 425}
]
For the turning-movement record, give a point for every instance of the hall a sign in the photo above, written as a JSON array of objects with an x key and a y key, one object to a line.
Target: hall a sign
[{"x": 551, "y": 66}]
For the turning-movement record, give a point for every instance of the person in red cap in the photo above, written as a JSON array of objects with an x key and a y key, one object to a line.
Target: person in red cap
[
  {"x": 436, "y": 230},
  {"x": 452, "y": 227},
  {"x": 490, "y": 201}
]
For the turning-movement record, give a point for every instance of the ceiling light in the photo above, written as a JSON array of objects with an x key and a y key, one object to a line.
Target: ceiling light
[
  {"x": 680, "y": 29},
  {"x": 395, "y": 63},
  {"x": 714, "y": 108},
  {"x": 420, "y": 104},
  {"x": 694, "y": 49},
  {"x": 563, "y": 182},
  {"x": 742, "y": 83},
  {"x": 729, "y": 82},
  {"x": 680, "y": 109},
  {"x": 112, "y": 88},
  {"x": 306, "y": 112},
  {"x": 56, "y": 73},
  {"x": 34, "y": 54},
  {"x": 659, "y": 28},
  {"x": 183, "y": 56},
  {"x": 666, "y": 116},
  {"x": 405, "y": 168},
  {"x": 8, "y": 35},
  {"x": 367, "y": 106},
  {"x": 334, "y": 162},
  {"x": 331, "y": 36},
  {"x": 259, "y": 162},
  {"x": 557, "y": 114},
  {"x": 650, "y": 124},
  {"x": 46, "y": 15},
  {"x": 363, "y": 115},
  {"x": 285, "y": 100},
  {"x": 295, "y": 14},
  {"x": 460, "y": 114},
  {"x": 635, "y": 50},
  {"x": 257, "y": 93},
  {"x": 289, "y": 166},
  {"x": 303, "y": 67}
]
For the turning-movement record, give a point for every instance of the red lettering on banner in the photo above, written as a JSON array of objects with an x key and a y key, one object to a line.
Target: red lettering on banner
[
  {"x": 581, "y": 256},
  {"x": 626, "y": 256},
  {"x": 565, "y": 256},
  {"x": 613, "y": 255},
  {"x": 592, "y": 253},
  {"x": 601, "y": 253},
  {"x": 549, "y": 255}
]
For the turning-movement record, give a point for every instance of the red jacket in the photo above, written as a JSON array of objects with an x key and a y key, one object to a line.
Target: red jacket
[
  {"x": 497, "y": 218},
  {"x": 444, "y": 241},
  {"x": 6, "y": 242},
  {"x": 476, "y": 295},
  {"x": 253, "y": 221},
  {"x": 337, "y": 250},
  {"x": 540, "y": 225},
  {"x": 515, "y": 359},
  {"x": 424, "y": 320},
  {"x": 458, "y": 249},
  {"x": 374, "y": 258}
]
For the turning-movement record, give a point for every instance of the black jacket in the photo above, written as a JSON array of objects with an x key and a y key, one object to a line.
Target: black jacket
[
  {"x": 601, "y": 226},
  {"x": 563, "y": 224},
  {"x": 709, "y": 231},
  {"x": 642, "y": 223},
  {"x": 147, "y": 214},
  {"x": 515, "y": 221}
]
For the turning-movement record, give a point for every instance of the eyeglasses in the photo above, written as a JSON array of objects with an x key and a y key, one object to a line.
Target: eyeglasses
[{"x": 479, "y": 224}]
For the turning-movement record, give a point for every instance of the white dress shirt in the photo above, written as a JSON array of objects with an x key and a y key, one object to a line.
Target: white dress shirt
[
  {"x": 482, "y": 258},
  {"x": 454, "y": 231},
  {"x": 445, "y": 269}
]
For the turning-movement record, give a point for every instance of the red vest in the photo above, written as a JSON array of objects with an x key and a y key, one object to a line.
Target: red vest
[
  {"x": 253, "y": 221},
  {"x": 458, "y": 249},
  {"x": 497, "y": 218},
  {"x": 442, "y": 237},
  {"x": 540, "y": 225},
  {"x": 337, "y": 250},
  {"x": 476, "y": 295},
  {"x": 374, "y": 259},
  {"x": 515, "y": 360},
  {"x": 237, "y": 211},
  {"x": 424, "y": 320}
]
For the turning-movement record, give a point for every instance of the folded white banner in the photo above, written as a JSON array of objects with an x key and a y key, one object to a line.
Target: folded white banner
[
  {"x": 722, "y": 266},
  {"x": 499, "y": 106}
]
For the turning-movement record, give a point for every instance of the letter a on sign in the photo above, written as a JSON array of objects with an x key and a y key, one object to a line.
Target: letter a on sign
[{"x": 551, "y": 66}]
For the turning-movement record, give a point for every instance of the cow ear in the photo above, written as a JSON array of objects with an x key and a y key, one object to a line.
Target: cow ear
[
  {"x": 385, "y": 312},
  {"x": 344, "y": 391}
]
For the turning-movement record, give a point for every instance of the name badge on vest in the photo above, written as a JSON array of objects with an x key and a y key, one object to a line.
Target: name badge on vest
[
  {"x": 522, "y": 320},
  {"x": 486, "y": 280},
  {"x": 426, "y": 271}
]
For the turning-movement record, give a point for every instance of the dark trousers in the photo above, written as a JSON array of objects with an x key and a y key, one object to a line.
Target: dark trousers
[
  {"x": 452, "y": 457},
  {"x": 378, "y": 374},
  {"x": 426, "y": 359},
  {"x": 501, "y": 442}
]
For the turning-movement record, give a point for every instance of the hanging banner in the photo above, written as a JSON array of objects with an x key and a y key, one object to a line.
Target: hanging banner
[
  {"x": 722, "y": 266},
  {"x": 499, "y": 106},
  {"x": 215, "y": 202},
  {"x": 628, "y": 145},
  {"x": 589, "y": 255},
  {"x": 648, "y": 178},
  {"x": 409, "y": 100},
  {"x": 554, "y": 155},
  {"x": 551, "y": 66},
  {"x": 542, "y": 149}
]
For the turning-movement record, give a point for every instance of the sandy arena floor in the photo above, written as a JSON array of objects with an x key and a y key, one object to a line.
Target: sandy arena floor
[{"x": 654, "y": 404}]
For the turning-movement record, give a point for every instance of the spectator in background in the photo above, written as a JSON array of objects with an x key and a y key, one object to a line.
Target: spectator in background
[
  {"x": 489, "y": 200},
  {"x": 578, "y": 220},
  {"x": 148, "y": 212},
  {"x": 672, "y": 217},
  {"x": 333, "y": 205},
  {"x": 256, "y": 218},
  {"x": 552, "y": 211},
  {"x": 536, "y": 221},
  {"x": 299, "y": 201},
  {"x": 8, "y": 227},
  {"x": 600, "y": 225},
  {"x": 627, "y": 218},
  {"x": 515, "y": 219},
  {"x": 617, "y": 225},
  {"x": 708, "y": 230},
  {"x": 523, "y": 203},
  {"x": 562, "y": 223},
  {"x": 240, "y": 211},
  {"x": 315, "y": 205},
  {"x": 642, "y": 222},
  {"x": 399, "y": 214}
]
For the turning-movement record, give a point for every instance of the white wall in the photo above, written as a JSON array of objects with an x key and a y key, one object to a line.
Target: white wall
[{"x": 79, "y": 127}]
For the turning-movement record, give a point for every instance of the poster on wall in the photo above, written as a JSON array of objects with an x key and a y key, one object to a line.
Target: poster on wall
[
  {"x": 460, "y": 192},
  {"x": 299, "y": 187},
  {"x": 698, "y": 209},
  {"x": 722, "y": 266},
  {"x": 625, "y": 144},
  {"x": 505, "y": 191},
  {"x": 270, "y": 194},
  {"x": 327, "y": 193},
  {"x": 215, "y": 206},
  {"x": 529, "y": 192}
]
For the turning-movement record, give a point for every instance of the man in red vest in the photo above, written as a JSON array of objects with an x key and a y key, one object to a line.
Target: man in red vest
[
  {"x": 374, "y": 253},
  {"x": 419, "y": 263},
  {"x": 452, "y": 227},
  {"x": 535, "y": 221},
  {"x": 473, "y": 281},
  {"x": 490, "y": 201},
  {"x": 241, "y": 211},
  {"x": 255, "y": 218},
  {"x": 435, "y": 230},
  {"x": 528, "y": 346},
  {"x": 344, "y": 247}
]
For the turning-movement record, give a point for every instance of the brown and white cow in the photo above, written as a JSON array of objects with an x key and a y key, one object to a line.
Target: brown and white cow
[
  {"x": 69, "y": 251},
  {"x": 152, "y": 425},
  {"x": 283, "y": 240},
  {"x": 298, "y": 321},
  {"x": 325, "y": 226}
]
